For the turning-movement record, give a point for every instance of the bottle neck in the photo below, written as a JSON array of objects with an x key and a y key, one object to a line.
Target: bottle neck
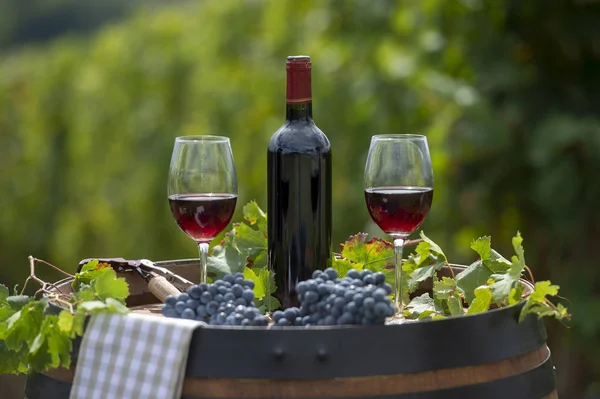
[
  {"x": 298, "y": 112},
  {"x": 298, "y": 93}
]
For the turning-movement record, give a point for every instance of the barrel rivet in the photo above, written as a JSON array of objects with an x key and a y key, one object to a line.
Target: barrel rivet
[
  {"x": 322, "y": 354},
  {"x": 278, "y": 353}
]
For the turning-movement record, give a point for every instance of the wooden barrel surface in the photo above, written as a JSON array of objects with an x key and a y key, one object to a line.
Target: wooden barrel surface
[{"x": 489, "y": 356}]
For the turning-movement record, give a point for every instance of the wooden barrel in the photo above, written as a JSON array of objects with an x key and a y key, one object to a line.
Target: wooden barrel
[{"x": 488, "y": 355}]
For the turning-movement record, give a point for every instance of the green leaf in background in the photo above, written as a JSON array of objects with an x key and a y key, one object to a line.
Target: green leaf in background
[
  {"x": 255, "y": 216},
  {"x": 4, "y": 293},
  {"x": 21, "y": 328},
  {"x": 482, "y": 301}
]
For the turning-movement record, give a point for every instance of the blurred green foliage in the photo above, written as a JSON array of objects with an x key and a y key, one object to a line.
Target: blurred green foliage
[{"x": 506, "y": 91}]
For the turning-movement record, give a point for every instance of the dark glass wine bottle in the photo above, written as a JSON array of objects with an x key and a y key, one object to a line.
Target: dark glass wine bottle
[{"x": 299, "y": 189}]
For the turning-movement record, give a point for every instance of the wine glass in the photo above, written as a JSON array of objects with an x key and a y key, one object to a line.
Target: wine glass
[
  {"x": 398, "y": 190},
  {"x": 202, "y": 189}
]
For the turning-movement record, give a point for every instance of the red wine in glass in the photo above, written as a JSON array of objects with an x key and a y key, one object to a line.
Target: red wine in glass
[
  {"x": 398, "y": 210},
  {"x": 202, "y": 216}
]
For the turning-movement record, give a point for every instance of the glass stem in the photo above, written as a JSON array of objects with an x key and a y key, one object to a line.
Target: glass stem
[
  {"x": 203, "y": 248},
  {"x": 398, "y": 247}
]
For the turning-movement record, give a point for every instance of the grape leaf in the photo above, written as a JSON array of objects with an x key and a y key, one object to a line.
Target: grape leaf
[
  {"x": 16, "y": 302},
  {"x": 482, "y": 301},
  {"x": 23, "y": 326},
  {"x": 342, "y": 266},
  {"x": 479, "y": 272},
  {"x": 110, "y": 305},
  {"x": 444, "y": 289},
  {"x": 375, "y": 254},
  {"x": 107, "y": 285},
  {"x": 51, "y": 347},
  {"x": 65, "y": 321},
  {"x": 259, "y": 286},
  {"x": 420, "y": 307},
  {"x": 249, "y": 240},
  {"x": 255, "y": 216},
  {"x": 447, "y": 296},
  {"x": 537, "y": 302},
  {"x": 428, "y": 260},
  {"x": 90, "y": 271},
  {"x": 11, "y": 362},
  {"x": 504, "y": 283},
  {"x": 264, "y": 286}
]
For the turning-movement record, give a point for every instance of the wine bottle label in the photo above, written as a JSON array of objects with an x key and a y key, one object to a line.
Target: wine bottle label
[
  {"x": 298, "y": 80},
  {"x": 161, "y": 288}
]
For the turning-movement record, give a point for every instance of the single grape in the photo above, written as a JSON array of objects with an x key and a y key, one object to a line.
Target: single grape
[
  {"x": 227, "y": 284},
  {"x": 290, "y": 313},
  {"x": 388, "y": 288},
  {"x": 311, "y": 297},
  {"x": 188, "y": 314},
  {"x": 331, "y": 273},
  {"x": 223, "y": 290},
  {"x": 213, "y": 289},
  {"x": 249, "y": 283},
  {"x": 238, "y": 319},
  {"x": 180, "y": 306},
  {"x": 298, "y": 321},
  {"x": 353, "y": 273},
  {"x": 329, "y": 320},
  {"x": 192, "y": 303},
  {"x": 248, "y": 296},
  {"x": 379, "y": 278},
  {"x": 240, "y": 301},
  {"x": 206, "y": 297},
  {"x": 194, "y": 292},
  {"x": 277, "y": 315},
  {"x": 358, "y": 299},
  {"x": 229, "y": 297},
  {"x": 380, "y": 309},
  {"x": 369, "y": 279},
  {"x": 169, "y": 311},
  {"x": 351, "y": 307},
  {"x": 364, "y": 272},
  {"x": 240, "y": 281},
  {"x": 237, "y": 290},
  {"x": 368, "y": 303},
  {"x": 305, "y": 320},
  {"x": 171, "y": 300},
  {"x": 339, "y": 302},
  {"x": 379, "y": 294},
  {"x": 238, "y": 275},
  {"x": 319, "y": 281},
  {"x": 316, "y": 273},
  {"x": 203, "y": 286},
  {"x": 230, "y": 278},
  {"x": 246, "y": 322},
  {"x": 219, "y": 298},
  {"x": 221, "y": 317}
]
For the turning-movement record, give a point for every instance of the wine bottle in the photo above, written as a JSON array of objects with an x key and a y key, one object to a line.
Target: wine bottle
[{"x": 299, "y": 189}]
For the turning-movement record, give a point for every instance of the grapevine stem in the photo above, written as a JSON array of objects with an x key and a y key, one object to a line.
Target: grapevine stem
[
  {"x": 530, "y": 274},
  {"x": 451, "y": 270},
  {"x": 52, "y": 266}
]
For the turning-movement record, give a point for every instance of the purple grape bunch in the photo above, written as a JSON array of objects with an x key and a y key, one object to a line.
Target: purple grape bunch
[
  {"x": 228, "y": 301},
  {"x": 360, "y": 298}
]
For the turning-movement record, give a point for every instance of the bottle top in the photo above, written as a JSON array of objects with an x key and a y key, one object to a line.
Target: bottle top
[{"x": 298, "y": 79}]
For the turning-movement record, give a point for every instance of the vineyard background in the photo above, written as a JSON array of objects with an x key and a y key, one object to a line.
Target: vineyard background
[{"x": 92, "y": 95}]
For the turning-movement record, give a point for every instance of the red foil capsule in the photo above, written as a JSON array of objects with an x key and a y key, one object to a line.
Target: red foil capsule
[{"x": 298, "y": 80}]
